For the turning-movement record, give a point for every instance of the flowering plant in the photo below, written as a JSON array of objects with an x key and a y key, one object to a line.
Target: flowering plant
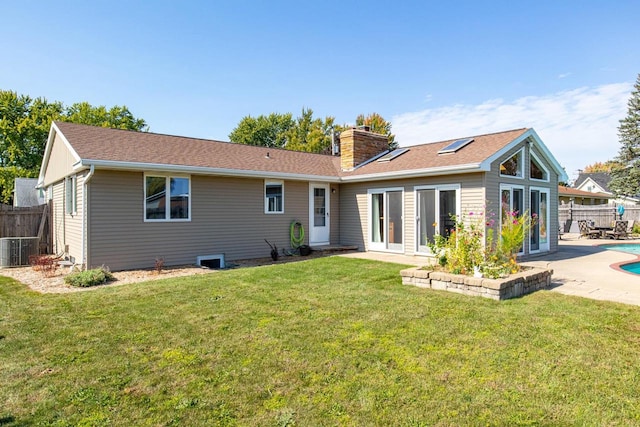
[{"x": 471, "y": 246}]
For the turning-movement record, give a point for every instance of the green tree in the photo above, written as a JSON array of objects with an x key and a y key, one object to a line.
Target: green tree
[
  {"x": 305, "y": 133},
  {"x": 24, "y": 128},
  {"x": 377, "y": 124},
  {"x": 116, "y": 117},
  {"x": 625, "y": 179},
  {"x": 265, "y": 131},
  {"x": 309, "y": 134}
]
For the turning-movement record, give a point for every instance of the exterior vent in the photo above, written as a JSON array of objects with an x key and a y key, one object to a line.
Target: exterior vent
[
  {"x": 210, "y": 261},
  {"x": 392, "y": 155},
  {"x": 15, "y": 251},
  {"x": 455, "y": 146}
]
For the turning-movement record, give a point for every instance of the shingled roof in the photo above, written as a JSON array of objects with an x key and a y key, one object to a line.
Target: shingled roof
[
  {"x": 122, "y": 149},
  {"x": 424, "y": 159},
  {"x": 117, "y": 148}
]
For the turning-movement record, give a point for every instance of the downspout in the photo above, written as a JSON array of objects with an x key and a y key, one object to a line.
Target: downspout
[{"x": 84, "y": 245}]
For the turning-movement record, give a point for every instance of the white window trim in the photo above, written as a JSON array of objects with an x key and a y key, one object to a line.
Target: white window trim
[
  {"x": 512, "y": 187},
  {"x": 547, "y": 246},
  {"x": 382, "y": 247},
  {"x": 522, "y": 161},
  {"x": 167, "y": 199},
  {"x": 71, "y": 200},
  {"x": 534, "y": 157},
  {"x": 437, "y": 188},
  {"x": 266, "y": 199}
]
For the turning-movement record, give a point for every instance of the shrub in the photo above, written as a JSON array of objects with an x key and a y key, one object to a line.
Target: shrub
[
  {"x": 464, "y": 251},
  {"x": 44, "y": 264},
  {"x": 94, "y": 277},
  {"x": 159, "y": 265}
]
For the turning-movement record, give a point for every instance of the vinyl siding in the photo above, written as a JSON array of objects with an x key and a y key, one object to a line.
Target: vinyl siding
[
  {"x": 67, "y": 228},
  {"x": 58, "y": 217},
  {"x": 354, "y": 219},
  {"x": 227, "y": 217},
  {"x": 334, "y": 213},
  {"x": 73, "y": 224},
  {"x": 60, "y": 162}
]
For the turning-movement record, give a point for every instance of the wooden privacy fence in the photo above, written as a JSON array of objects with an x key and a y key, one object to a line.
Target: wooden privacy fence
[
  {"x": 602, "y": 215},
  {"x": 33, "y": 221}
]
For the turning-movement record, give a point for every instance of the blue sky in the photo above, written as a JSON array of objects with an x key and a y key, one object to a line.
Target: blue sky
[{"x": 436, "y": 70}]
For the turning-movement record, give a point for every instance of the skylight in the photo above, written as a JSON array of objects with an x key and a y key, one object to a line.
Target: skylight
[
  {"x": 455, "y": 146},
  {"x": 393, "y": 154}
]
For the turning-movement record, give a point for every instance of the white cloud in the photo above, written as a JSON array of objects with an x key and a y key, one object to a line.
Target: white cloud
[
  {"x": 578, "y": 126},
  {"x": 564, "y": 75}
]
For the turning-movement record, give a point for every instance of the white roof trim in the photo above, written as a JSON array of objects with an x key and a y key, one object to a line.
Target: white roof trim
[
  {"x": 589, "y": 180},
  {"x": 562, "y": 175},
  {"x": 199, "y": 170},
  {"x": 53, "y": 131}
]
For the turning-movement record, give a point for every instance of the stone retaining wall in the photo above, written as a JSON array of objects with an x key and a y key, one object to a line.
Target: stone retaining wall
[{"x": 514, "y": 285}]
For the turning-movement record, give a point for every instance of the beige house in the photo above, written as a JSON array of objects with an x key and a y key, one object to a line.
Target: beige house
[
  {"x": 123, "y": 198},
  {"x": 574, "y": 196}
]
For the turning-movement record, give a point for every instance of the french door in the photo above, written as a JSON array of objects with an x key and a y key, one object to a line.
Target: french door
[
  {"x": 436, "y": 209},
  {"x": 539, "y": 239},
  {"x": 386, "y": 215}
]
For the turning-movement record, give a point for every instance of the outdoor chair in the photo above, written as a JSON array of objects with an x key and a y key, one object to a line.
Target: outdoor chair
[
  {"x": 587, "y": 231},
  {"x": 630, "y": 227},
  {"x": 619, "y": 230}
]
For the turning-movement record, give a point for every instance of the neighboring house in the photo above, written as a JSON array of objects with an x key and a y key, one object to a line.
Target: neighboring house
[
  {"x": 598, "y": 182},
  {"x": 25, "y": 193},
  {"x": 110, "y": 206},
  {"x": 579, "y": 197}
]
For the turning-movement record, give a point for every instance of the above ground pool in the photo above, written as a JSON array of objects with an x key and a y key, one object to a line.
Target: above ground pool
[{"x": 630, "y": 248}]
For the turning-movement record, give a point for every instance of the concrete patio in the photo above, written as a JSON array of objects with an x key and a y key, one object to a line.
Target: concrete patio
[{"x": 580, "y": 268}]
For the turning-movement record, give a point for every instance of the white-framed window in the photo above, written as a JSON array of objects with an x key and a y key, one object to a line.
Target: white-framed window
[
  {"x": 273, "y": 197},
  {"x": 436, "y": 209},
  {"x": 159, "y": 207},
  {"x": 386, "y": 219},
  {"x": 71, "y": 195},
  {"x": 537, "y": 170},
  {"x": 513, "y": 166}
]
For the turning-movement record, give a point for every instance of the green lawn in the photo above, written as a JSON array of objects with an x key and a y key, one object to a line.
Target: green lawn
[{"x": 329, "y": 341}]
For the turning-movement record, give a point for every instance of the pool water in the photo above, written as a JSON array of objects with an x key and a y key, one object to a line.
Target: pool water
[
  {"x": 631, "y": 248},
  {"x": 633, "y": 267}
]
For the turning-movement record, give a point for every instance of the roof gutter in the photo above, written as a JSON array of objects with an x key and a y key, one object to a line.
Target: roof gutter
[{"x": 157, "y": 167}]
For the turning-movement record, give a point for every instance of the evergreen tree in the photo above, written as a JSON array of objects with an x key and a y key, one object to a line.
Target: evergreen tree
[{"x": 626, "y": 178}]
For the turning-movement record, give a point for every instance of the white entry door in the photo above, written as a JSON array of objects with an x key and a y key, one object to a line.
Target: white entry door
[{"x": 318, "y": 214}]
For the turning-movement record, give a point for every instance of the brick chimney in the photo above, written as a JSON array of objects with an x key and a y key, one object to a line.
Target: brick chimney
[{"x": 359, "y": 145}]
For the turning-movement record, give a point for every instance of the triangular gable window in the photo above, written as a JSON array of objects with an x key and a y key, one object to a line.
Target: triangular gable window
[
  {"x": 512, "y": 166},
  {"x": 537, "y": 170}
]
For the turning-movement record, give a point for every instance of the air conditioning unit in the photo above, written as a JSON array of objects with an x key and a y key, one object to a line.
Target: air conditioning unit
[{"x": 15, "y": 251}]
